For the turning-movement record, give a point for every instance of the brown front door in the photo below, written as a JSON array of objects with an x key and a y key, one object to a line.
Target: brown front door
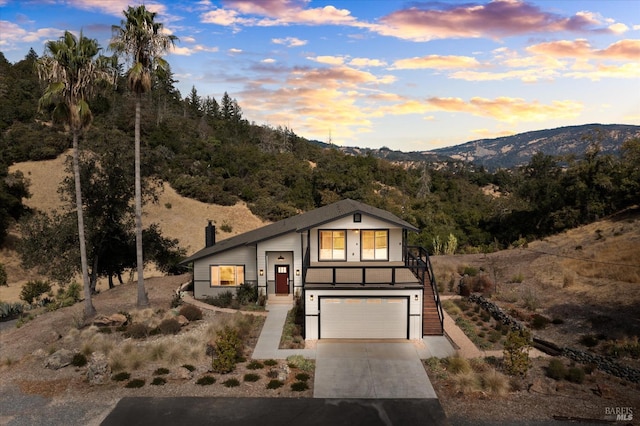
[{"x": 282, "y": 279}]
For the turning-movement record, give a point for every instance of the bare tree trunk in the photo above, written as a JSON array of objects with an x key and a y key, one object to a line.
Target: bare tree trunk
[
  {"x": 89, "y": 309},
  {"x": 143, "y": 300}
]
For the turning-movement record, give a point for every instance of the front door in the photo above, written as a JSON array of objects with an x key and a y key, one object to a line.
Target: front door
[{"x": 282, "y": 279}]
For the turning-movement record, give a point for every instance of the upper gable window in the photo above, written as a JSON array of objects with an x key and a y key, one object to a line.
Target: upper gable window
[
  {"x": 332, "y": 245},
  {"x": 375, "y": 244}
]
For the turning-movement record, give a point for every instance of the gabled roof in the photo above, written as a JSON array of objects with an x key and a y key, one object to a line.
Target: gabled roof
[{"x": 300, "y": 223}]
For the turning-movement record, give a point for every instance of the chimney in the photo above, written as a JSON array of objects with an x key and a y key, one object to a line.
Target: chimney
[{"x": 210, "y": 235}]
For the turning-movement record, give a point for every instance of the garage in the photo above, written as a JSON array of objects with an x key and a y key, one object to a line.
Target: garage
[{"x": 364, "y": 318}]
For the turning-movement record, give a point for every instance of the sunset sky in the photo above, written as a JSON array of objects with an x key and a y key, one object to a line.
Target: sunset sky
[{"x": 407, "y": 75}]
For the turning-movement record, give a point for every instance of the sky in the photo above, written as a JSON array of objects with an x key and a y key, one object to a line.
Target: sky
[{"x": 406, "y": 75}]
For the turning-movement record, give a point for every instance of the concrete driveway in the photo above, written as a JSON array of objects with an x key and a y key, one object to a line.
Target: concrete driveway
[{"x": 370, "y": 370}]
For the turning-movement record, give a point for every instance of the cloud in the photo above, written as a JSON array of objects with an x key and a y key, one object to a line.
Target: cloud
[
  {"x": 366, "y": 62},
  {"x": 329, "y": 60},
  {"x": 289, "y": 41},
  {"x": 436, "y": 62},
  {"x": 13, "y": 34},
  {"x": 496, "y": 19},
  {"x": 188, "y": 51},
  {"x": 510, "y": 110},
  {"x": 116, "y": 7}
]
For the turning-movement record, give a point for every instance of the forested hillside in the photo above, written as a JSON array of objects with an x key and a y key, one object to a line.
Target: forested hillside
[{"x": 207, "y": 150}]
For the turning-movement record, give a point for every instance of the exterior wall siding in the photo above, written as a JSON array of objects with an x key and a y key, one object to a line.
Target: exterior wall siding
[{"x": 201, "y": 270}]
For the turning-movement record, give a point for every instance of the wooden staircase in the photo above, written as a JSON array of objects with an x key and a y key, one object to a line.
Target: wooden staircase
[{"x": 430, "y": 317}]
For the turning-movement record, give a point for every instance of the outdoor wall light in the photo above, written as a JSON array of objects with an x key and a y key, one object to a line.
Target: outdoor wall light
[
  {"x": 311, "y": 297},
  {"x": 297, "y": 272},
  {"x": 415, "y": 297},
  {"x": 281, "y": 258},
  {"x": 261, "y": 272}
]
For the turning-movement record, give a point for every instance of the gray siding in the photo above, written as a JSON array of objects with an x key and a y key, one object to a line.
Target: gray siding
[{"x": 201, "y": 270}]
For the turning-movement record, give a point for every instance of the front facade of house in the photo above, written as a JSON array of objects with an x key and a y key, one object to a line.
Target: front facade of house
[{"x": 349, "y": 264}]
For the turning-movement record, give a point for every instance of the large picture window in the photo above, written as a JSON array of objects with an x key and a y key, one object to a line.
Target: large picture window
[
  {"x": 231, "y": 275},
  {"x": 332, "y": 245},
  {"x": 375, "y": 245}
]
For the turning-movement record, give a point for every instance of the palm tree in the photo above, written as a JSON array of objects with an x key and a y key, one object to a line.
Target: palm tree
[
  {"x": 71, "y": 72},
  {"x": 142, "y": 41}
]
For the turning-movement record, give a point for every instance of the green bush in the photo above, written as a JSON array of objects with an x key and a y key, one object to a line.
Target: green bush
[
  {"x": 251, "y": 377},
  {"x": 231, "y": 383},
  {"x": 470, "y": 270},
  {"x": 135, "y": 383},
  {"x": 79, "y": 360},
  {"x": 10, "y": 310},
  {"x": 190, "y": 312},
  {"x": 169, "y": 326},
  {"x": 299, "y": 386},
  {"x": 161, "y": 371},
  {"x": 575, "y": 375},
  {"x": 298, "y": 361},
  {"x": 589, "y": 340},
  {"x": 255, "y": 365},
  {"x": 137, "y": 330},
  {"x": 516, "y": 352},
  {"x": 206, "y": 380},
  {"x": 556, "y": 369},
  {"x": 247, "y": 293},
  {"x": 228, "y": 347},
  {"x": 33, "y": 290},
  {"x": 189, "y": 367},
  {"x": 3, "y": 276},
  {"x": 538, "y": 322},
  {"x": 270, "y": 362},
  {"x": 121, "y": 377},
  {"x": 222, "y": 300},
  {"x": 302, "y": 377},
  {"x": 274, "y": 384},
  {"x": 159, "y": 381}
]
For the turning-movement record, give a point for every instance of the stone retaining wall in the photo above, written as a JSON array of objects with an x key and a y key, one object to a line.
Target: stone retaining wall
[{"x": 603, "y": 363}]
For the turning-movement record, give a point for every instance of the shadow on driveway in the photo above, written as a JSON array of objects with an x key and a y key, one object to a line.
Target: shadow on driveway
[{"x": 274, "y": 412}]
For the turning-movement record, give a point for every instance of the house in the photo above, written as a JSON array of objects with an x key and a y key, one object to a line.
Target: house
[{"x": 348, "y": 262}]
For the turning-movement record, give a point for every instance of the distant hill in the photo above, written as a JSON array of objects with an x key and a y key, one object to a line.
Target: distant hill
[{"x": 515, "y": 150}]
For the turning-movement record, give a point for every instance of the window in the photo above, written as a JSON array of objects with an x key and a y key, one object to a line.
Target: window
[
  {"x": 332, "y": 245},
  {"x": 375, "y": 245},
  {"x": 231, "y": 275}
]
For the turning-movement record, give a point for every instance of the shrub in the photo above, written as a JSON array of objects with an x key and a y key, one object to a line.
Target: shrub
[
  {"x": 458, "y": 365},
  {"x": 228, "y": 347},
  {"x": 494, "y": 336},
  {"x": 270, "y": 362},
  {"x": 137, "y": 330},
  {"x": 494, "y": 382},
  {"x": 79, "y": 360},
  {"x": 10, "y": 310},
  {"x": 190, "y": 312},
  {"x": 539, "y": 322},
  {"x": 299, "y": 386},
  {"x": 466, "y": 383},
  {"x": 222, "y": 300},
  {"x": 481, "y": 284},
  {"x": 206, "y": 380},
  {"x": 470, "y": 270},
  {"x": 516, "y": 352},
  {"x": 135, "y": 383},
  {"x": 298, "y": 361},
  {"x": 302, "y": 377},
  {"x": 530, "y": 299},
  {"x": 575, "y": 375},
  {"x": 251, "y": 377},
  {"x": 231, "y": 383},
  {"x": 3, "y": 276},
  {"x": 557, "y": 321},
  {"x": 161, "y": 371},
  {"x": 556, "y": 369},
  {"x": 274, "y": 384},
  {"x": 272, "y": 374},
  {"x": 255, "y": 365},
  {"x": 158, "y": 381},
  {"x": 589, "y": 340},
  {"x": 169, "y": 326},
  {"x": 121, "y": 377},
  {"x": 189, "y": 367},
  {"x": 247, "y": 293},
  {"x": 33, "y": 290},
  {"x": 518, "y": 278}
]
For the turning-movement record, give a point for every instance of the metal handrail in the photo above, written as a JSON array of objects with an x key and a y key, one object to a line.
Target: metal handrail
[{"x": 421, "y": 266}]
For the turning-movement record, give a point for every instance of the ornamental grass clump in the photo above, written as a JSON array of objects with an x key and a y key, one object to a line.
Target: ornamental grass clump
[{"x": 251, "y": 377}]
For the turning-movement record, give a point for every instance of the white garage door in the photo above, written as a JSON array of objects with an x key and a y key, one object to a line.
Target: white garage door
[{"x": 363, "y": 318}]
